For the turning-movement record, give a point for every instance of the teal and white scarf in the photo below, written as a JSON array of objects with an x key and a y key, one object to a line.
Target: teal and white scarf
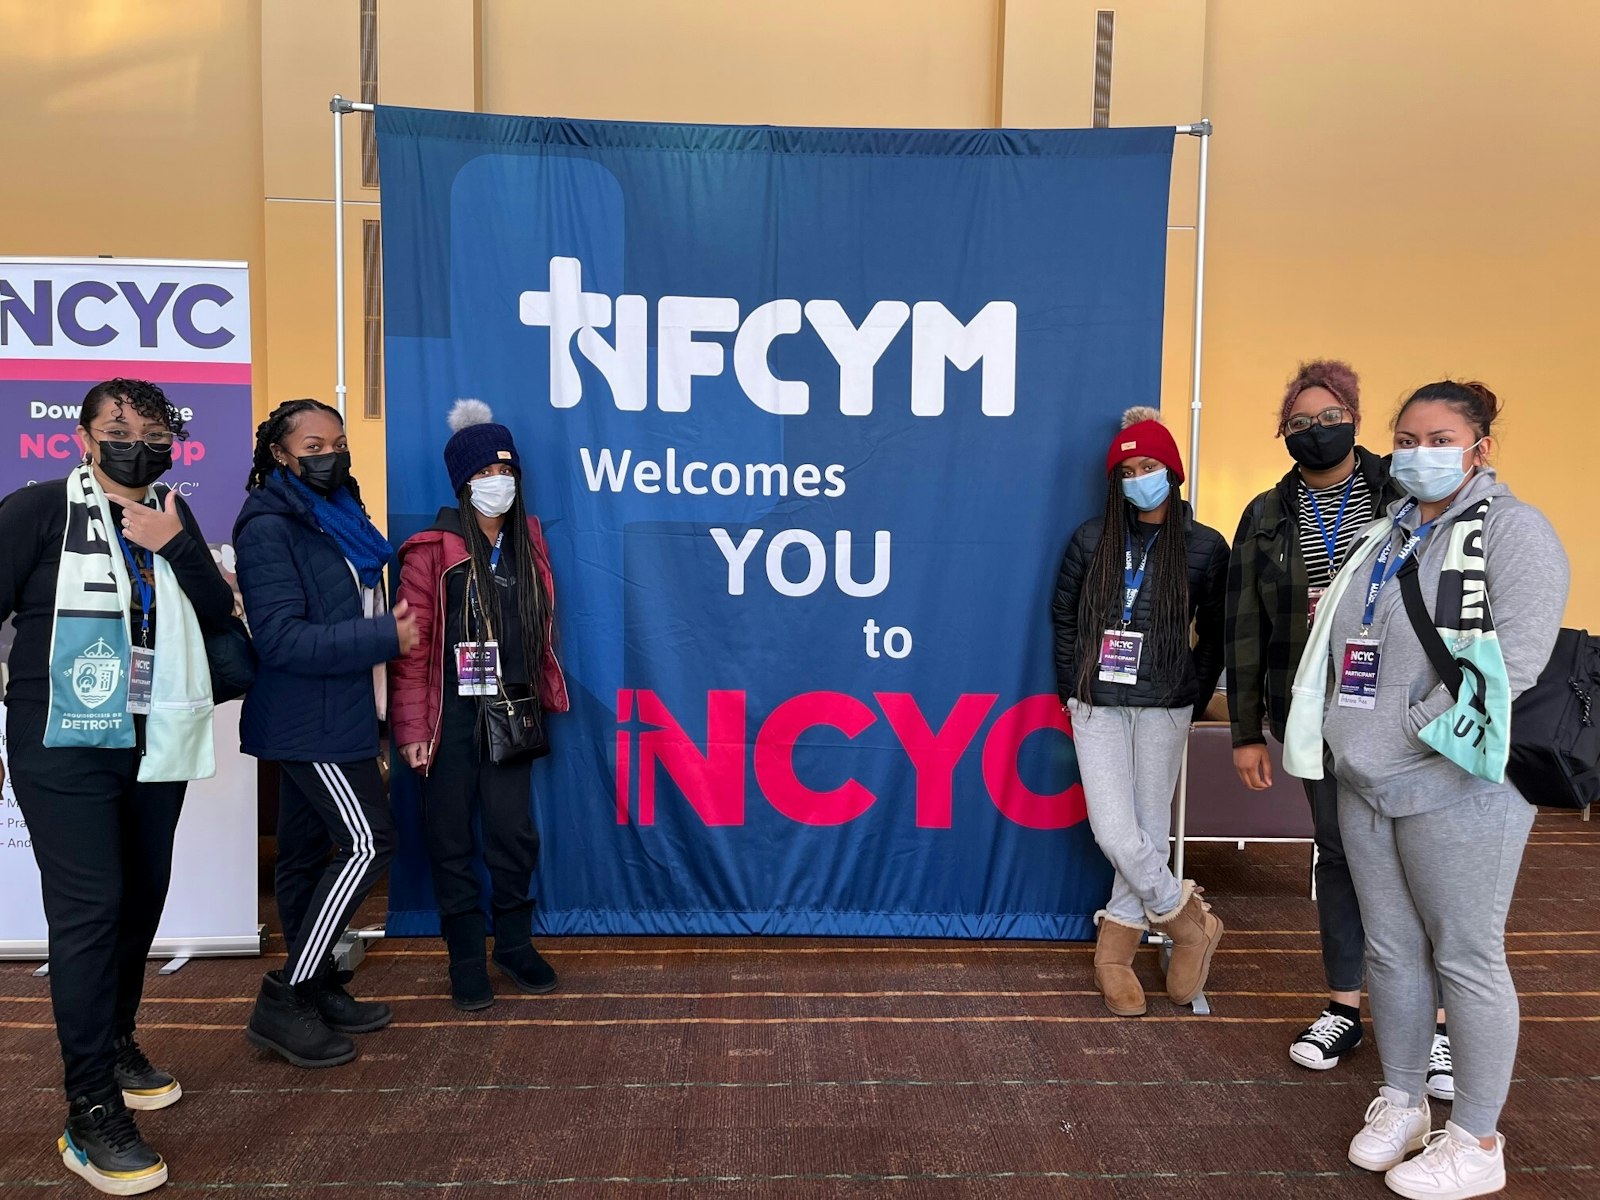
[
  {"x": 90, "y": 650},
  {"x": 1474, "y": 733}
]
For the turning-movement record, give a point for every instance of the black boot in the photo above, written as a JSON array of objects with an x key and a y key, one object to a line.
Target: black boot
[
  {"x": 469, "y": 978},
  {"x": 339, "y": 1010},
  {"x": 514, "y": 953},
  {"x": 144, "y": 1086},
  {"x": 102, "y": 1144},
  {"x": 286, "y": 1022}
]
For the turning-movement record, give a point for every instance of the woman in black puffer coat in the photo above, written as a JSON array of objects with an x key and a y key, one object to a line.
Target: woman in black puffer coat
[{"x": 1138, "y": 615}]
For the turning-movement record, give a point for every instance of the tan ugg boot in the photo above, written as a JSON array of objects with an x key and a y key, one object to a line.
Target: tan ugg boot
[
  {"x": 1114, "y": 949},
  {"x": 1195, "y": 932}
]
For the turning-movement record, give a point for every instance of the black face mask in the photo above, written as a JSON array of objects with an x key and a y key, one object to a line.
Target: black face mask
[
  {"x": 1322, "y": 447},
  {"x": 325, "y": 473},
  {"x": 133, "y": 464}
]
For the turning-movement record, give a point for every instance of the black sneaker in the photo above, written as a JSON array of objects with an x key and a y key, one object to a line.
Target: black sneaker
[
  {"x": 102, "y": 1144},
  {"x": 286, "y": 1022},
  {"x": 144, "y": 1086},
  {"x": 1328, "y": 1039},
  {"x": 342, "y": 1012},
  {"x": 1441, "y": 1083}
]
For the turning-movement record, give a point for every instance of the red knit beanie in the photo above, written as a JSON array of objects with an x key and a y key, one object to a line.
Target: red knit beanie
[{"x": 1144, "y": 436}]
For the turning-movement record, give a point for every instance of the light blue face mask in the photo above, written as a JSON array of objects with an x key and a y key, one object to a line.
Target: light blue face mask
[
  {"x": 1430, "y": 472},
  {"x": 1147, "y": 492}
]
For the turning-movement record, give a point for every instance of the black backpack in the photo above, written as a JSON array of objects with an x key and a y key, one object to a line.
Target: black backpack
[{"x": 1555, "y": 744}]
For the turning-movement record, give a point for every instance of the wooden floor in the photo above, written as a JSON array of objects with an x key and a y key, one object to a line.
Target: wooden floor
[{"x": 811, "y": 1068}]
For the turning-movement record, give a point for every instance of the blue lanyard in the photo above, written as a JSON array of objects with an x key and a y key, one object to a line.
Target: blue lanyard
[
  {"x": 147, "y": 593},
  {"x": 1133, "y": 580},
  {"x": 472, "y": 579},
  {"x": 1331, "y": 540},
  {"x": 1383, "y": 570}
]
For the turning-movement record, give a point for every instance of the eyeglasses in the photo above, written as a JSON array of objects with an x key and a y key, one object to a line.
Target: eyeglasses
[
  {"x": 1328, "y": 418},
  {"x": 156, "y": 441}
]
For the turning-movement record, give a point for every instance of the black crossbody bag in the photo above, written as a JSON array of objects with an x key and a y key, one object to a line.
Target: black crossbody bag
[
  {"x": 1555, "y": 745},
  {"x": 513, "y": 720}
]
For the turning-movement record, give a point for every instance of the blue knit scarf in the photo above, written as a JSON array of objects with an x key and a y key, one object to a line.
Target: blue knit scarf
[{"x": 341, "y": 519}]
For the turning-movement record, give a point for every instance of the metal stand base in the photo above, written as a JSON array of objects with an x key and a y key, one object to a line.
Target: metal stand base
[{"x": 352, "y": 946}]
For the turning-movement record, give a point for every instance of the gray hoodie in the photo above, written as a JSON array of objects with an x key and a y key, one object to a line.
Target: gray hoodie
[{"x": 1377, "y": 752}]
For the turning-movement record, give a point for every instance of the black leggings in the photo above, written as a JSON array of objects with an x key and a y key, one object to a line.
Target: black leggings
[{"x": 103, "y": 842}]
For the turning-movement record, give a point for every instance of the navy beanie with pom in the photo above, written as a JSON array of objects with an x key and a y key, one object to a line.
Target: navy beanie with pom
[{"x": 477, "y": 443}]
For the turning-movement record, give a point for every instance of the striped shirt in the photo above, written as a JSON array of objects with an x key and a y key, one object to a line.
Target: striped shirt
[{"x": 1357, "y": 515}]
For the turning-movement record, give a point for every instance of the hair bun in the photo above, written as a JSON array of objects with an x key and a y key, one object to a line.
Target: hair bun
[
  {"x": 466, "y": 413},
  {"x": 1490, "y": 401},
  {"x": 1138, "y": 413}
]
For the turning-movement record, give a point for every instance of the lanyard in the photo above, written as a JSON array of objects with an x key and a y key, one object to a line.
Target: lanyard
[
  {"x": 476, "y": 613},
  {"x": 1331, "y": 540},
  {"x": 1383, "y": 571},
  {"x": 147, "y": 593},
  {"x": 1133, "y": 580}
]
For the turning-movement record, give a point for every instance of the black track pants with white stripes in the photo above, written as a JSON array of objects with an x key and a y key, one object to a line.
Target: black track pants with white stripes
[{"x": 323, "y": 806}]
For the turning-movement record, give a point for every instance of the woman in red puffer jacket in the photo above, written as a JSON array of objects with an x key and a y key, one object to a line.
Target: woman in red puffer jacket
[{"x": 468, "y": 703}]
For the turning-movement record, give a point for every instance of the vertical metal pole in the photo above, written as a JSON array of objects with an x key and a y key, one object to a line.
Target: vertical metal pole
[
  {"x": 1203, "y": 132},
  {"x": 339, "y": 107}
]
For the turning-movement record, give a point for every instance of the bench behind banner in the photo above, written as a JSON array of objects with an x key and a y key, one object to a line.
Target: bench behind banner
[{"x": 808, "y": 415}]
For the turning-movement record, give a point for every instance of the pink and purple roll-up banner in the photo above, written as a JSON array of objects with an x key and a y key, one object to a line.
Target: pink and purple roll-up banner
[{"x": 66, "y": 324}]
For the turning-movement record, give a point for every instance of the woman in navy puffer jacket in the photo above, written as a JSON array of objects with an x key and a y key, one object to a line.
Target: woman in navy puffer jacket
[{"x": 310, "y": 568}]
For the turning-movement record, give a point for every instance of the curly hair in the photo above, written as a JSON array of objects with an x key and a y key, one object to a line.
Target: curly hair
[
  {"x": 1329, "y": 373},
  {"x": 144, "y": 397}
]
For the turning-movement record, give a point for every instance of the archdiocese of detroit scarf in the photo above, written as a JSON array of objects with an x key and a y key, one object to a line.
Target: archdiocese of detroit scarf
[
  {"x": 1475, "y": 732},
  {"x": 89, "y": 651}
]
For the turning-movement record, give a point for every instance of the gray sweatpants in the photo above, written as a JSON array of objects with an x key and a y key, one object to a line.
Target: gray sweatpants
[
  {"x": 1128, "y": 759},
  {"x": 1434, "y": 891}
]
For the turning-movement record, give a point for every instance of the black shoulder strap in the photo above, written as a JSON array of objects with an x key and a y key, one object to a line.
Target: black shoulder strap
[{"x": 1427, "y": 633}]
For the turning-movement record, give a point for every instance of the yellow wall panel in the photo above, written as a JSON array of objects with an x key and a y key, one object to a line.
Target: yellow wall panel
[
  {"x": 310, "y": 50},
  {"x": 133, "y": 129},
  {"x": 300, "y": 327},
  {"x": 922, "y": 63},
  {"x": 1413, "y": 188}
]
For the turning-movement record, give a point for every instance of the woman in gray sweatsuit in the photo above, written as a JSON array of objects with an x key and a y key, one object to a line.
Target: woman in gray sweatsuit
[{"x": 1433, "y": 847}]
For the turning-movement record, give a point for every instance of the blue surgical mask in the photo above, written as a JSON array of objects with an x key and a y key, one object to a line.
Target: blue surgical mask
[
  {"x": 1147, "y": 492},
  {"x": 1430, "y": 472}
]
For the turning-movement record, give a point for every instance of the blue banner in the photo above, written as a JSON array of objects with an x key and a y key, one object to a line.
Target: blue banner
[{"x": 808, "y": 415}]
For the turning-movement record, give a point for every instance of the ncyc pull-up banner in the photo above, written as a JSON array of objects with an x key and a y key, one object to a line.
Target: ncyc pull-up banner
[
  {"x": 808, "y": 416},
  {"x": 65, "y": 325}
]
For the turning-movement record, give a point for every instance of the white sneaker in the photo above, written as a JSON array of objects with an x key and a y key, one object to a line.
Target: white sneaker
[
  {"x": 1391, "y": 1132},
  {"x": 1441, "y": 1070},
  {"x": 1453, "y": 1167}
]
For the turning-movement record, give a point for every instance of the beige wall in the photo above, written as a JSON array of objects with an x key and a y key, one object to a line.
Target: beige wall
[
  {"x": 1411, "y": 187},
  {"x": 132, "y": 129}
]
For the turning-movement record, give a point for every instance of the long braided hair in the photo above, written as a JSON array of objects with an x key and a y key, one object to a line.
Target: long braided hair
[
  {"x": 533, "y": 601},
  {"x": 1167, "y": 580},
  {"x": 279, "y": 425}
]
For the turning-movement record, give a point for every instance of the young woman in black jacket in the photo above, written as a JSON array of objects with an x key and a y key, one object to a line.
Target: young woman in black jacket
[
  {"x": 1138, "y": 615},
  {"x": 105, "y": 726},
  {"x": 311, "y": 568}
]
